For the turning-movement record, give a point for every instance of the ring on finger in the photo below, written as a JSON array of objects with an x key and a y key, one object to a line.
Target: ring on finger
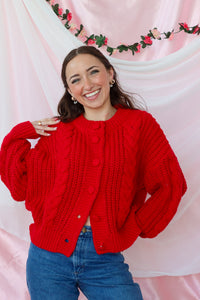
[{"x": 39, "y": 123}]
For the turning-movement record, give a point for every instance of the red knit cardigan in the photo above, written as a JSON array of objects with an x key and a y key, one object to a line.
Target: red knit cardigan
[{"x": 99, "y": 168}]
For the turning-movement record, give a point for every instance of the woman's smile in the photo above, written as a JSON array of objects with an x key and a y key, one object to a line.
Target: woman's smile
[{"x": 92, "y": 95}]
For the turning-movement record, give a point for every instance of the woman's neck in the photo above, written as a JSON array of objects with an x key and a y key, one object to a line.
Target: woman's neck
[{"x": 100, "y": 115}]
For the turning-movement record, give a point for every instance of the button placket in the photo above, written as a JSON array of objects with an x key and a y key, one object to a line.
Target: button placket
[{"x": 92, "y": 177}]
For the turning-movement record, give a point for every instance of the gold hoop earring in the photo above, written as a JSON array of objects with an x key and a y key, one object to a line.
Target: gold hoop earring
[{"x": 112, "y": 82}]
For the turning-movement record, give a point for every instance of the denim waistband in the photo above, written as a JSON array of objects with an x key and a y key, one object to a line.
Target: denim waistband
[
  {"x": 88, "y": 227},
  {"x": 88, "y": 231}
]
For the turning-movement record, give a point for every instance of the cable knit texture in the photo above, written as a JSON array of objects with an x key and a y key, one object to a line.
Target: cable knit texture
[{"x": 99, "y": 168}]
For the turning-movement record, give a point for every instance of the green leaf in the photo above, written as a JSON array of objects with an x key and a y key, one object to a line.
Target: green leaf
[
  {"x": 142, "y": 37},
  {"x": 110, "y": 50},
  {"x": 167, "y": 34},
  {"x": 65, "y": 14},
  {"x": 181, "y": 27},
  {"x": 91, "y": 37},
  {"x": 135, "y": 46},
  {"x": 55, "y": 9},
  {"x": 143, "y": 44},
  {"x": 67, "y": 25},
  {"x": 100, "y": 39},
  {"x": 122, "y": 48},
  {"x": 79, "y": 30},
  {"x": 131, "y": 47}
]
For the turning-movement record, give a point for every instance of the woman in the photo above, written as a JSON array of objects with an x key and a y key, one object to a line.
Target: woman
[{"x": 86, "y": 183}]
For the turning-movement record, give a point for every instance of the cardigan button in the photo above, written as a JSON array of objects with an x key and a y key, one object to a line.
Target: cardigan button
[
  {"x": 101, "y": 246},
  {"x": 95, "y": 162},
  {"x": 95, "y": 139},
  {"x": 96, "y": 125},
  {"x": 91, "y": 189}
]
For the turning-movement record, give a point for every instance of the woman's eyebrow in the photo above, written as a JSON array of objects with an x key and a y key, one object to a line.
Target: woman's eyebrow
[
  {"x": 86, "y": 70},
  {"x": 91, "y": 68},
  {"x": 73, "y": 76}
]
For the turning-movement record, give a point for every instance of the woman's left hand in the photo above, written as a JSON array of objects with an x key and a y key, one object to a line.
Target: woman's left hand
[{"x": 44, "y": 125}]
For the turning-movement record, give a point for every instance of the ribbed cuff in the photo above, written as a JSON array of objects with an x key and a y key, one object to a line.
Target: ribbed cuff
[{"x": 24, "y": 130}]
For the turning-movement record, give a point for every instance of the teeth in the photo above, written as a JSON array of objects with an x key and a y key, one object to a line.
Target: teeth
[{"x": 92, "y": 94}]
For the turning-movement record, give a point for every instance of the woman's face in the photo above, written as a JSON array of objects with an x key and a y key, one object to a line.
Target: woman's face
[{"x": 88, "y": 81}]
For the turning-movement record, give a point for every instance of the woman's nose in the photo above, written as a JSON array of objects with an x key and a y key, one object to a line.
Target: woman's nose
[{"x": 87, "y": 84}]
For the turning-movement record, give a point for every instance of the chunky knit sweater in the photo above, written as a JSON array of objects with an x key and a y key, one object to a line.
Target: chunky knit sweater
[{"x": 104, "y": 169}]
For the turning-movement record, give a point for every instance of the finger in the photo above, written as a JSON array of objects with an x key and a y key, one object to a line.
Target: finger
[
  {"x": 44, "y": 126},
  {"x": 47, "y": 128},
  {"x": 50, "y": 121},
  {"x": 42, "y": 132},
  {"x": 42, "y": 129}
]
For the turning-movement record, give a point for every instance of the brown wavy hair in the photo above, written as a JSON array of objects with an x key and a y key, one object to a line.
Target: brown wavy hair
[{"x": 67, "y": 110}]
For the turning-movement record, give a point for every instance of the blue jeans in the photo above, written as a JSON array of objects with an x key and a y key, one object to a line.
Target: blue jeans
[{"x": 54, "y": 276}]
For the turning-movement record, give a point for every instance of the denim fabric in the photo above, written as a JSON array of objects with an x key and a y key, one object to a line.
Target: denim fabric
[{"x": 54, "y": 276}]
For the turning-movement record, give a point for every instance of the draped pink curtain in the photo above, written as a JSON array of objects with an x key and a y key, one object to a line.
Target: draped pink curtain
[
  {"x": 124, "y": 23},
  {"x": 33, "y": 45}
]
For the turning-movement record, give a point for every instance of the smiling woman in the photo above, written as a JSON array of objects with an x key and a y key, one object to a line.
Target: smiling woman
[{"x": 86, "y": 182}]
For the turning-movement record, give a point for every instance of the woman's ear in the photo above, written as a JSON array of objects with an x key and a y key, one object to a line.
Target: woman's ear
[
  {"x": 111, "y": 73},
  {"x": 69, "y": 92}
]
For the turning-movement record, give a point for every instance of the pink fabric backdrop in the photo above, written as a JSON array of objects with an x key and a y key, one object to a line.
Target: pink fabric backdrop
[
  {"x": 126, "y": 22},
  {"x": 27, "y": 96}
]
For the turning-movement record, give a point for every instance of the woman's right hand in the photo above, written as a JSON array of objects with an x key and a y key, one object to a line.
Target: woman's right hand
[{"x": 43, "y": 125}]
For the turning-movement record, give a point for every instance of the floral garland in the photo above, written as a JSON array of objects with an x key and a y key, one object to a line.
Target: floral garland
[{"x": 101, "y": 40}]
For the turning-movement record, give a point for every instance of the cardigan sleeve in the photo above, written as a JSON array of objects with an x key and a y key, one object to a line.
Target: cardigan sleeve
[
  {"x": 163, "y": 180},
  {"x": 14, "y": 151}
]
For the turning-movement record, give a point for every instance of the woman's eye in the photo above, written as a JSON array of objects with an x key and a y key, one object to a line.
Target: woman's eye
[
  {"x": 74, "y": 81},
  {"x": 94, "y": 71}
]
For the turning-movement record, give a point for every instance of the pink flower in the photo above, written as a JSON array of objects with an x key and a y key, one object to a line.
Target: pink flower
[
  {"x": 196, "y": 29},
  {"x": 147, "y": 40},
  {"x": 90, "y": 42},
  {"x": 69, "y": 17},
  {"x": 60, "y": 11},
  {"x": 106, "y": 41},
  {"x": 156, "y": 33},
  {"x": 73, "y": 26},
  {"x": 82, "y": 33},
  {"x": 171, "y": 36},
  {"x": 138, "y": 48},
  {"x": 184, "y": 25}
]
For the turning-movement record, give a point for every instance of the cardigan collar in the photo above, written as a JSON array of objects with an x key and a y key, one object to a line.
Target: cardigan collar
[{"x": 116, "y": 120}]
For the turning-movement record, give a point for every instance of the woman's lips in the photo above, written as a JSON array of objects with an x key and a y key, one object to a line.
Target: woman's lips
[{"x": 92, "y": 95}]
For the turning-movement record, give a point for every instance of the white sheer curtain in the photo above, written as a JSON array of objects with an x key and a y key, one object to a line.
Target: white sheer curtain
[{"x": 33, "y": 46}]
